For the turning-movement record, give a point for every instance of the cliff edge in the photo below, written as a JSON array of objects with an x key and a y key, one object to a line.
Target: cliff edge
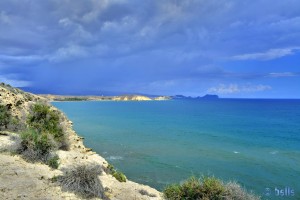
[{"x": 44, "y": 177}]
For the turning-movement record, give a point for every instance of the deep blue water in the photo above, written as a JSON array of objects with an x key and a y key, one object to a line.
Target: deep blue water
[{"x": 255, "y": 142}]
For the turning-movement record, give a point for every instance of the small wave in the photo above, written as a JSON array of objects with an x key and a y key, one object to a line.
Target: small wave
[
  {"x": 115, "y": 158},
  {"x": 236, "y": 152},
  {"x": 273, "y": 152}
]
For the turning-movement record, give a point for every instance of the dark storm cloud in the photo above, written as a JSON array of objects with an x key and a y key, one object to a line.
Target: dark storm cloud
[{"x": 150, "y": 46}]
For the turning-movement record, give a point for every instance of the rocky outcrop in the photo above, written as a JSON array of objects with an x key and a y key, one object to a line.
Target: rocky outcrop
[
  {"x": 131, "y": 98},
  {"x": 22, "y": 180},
  {"x": 17, "y": 101},
  {"x": 162, "y": 98}
]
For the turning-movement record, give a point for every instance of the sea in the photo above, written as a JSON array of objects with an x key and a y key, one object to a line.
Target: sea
[{"x": 255, "y": 142}]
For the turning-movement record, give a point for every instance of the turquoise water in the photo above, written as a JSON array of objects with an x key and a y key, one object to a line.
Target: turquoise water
[{"x": 255, "y": 142}]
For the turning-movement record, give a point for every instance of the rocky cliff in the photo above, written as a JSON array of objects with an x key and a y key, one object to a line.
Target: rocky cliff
[{"x": 131, "y": 98}]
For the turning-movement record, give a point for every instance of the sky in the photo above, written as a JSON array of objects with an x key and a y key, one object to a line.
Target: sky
[{"x": 232, "y": 48}]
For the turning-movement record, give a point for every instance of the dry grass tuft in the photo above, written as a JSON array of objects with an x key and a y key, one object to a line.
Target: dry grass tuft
[
  {"x": 145, "y": 192},
  {"x": 236, "y": 192},
  {"x": 83, "y": 180}
]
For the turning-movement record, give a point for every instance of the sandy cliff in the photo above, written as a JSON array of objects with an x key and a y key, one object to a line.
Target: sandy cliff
[
  {"x": 23, "y": 180},
  {"x": 131, "y": 98}
]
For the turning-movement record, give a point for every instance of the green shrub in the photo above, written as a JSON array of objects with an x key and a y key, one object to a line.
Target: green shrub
[
  {"x": 207, "y": 188},
  {"x": 16, "y": 125},
  {"x": 54, "y": 179},
  {"x": 18, "y": 103},
  {"x": 173, "y": 192},
  {"x": 83, "y": 180},
  {"x": 191, "y": 188},
  {"x": 212, "y": 188},
  {"x": 44, "y": 135},
  {"x": 43, "y": 119},
  {"x": 35, "y": 146},
  {"x": 5, "y": 117},
  {"x": 53, "y": 162},
  {"x": 110, "y": 169},
  {"x": 119, "y": 176},
  {"x": 9, "y": 122}
]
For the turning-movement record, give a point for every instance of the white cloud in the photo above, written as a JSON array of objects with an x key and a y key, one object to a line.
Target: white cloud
[
  {"x": 148, "y": 41},
  {"x": 27, "y": 58},
  {"x": 282, "y": 74},
  {"x": 235, "y": 88},
  {"x": 15, "y": 83},
  {"x": 268, "y": 55},
  {"x": 4, "y": 18},
  {"x": 66, "y": 53}
]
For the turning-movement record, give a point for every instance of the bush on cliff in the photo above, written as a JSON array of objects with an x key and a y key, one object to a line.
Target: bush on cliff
[
  {"x": 38, "y": 147},
  {"x": 35, "y": 146},
  {"x": 9, "y": 122},
  {"x": 110, "y": 169},
  {"x": 236, "y": 192},
  {"x": 207, "y": 188},
  {"x": 43, "y": 119},
  {"x": 5, "y": 117},
  {"x": 83, "y": 180},
  {"x": 119, "y": 176},
  {"x": 53, "y": 162}
]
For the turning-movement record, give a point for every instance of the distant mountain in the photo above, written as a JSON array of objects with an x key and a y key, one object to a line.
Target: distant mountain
[
  {"x": 181, "y": 97},
  {"x": 206, "y": 97},
  {"x": 209, "y": 96}
]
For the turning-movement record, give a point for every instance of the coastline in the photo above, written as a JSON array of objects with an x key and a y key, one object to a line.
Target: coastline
[
  {"x": 70, "y": 154},
  {"x": 115, "y": 189},
  {"x": 30, "y": 178},
  {"x": 62, "y": 98}
]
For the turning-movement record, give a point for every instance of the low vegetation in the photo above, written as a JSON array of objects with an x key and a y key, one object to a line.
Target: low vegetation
[
  {"x": 44, "y": 119},
  {"x": 43, "y": 135},
  {"x": 207, "y": 188},
  {"x": 36, "y": 146},
  {"x": 53, "y": 162},
  {"x": 7, "y": 121},
  {"x": 5, "y": 117},
  {"x": 119, "y": 176},
  {"x": 83, "y": 180},
  {"x": 237, "y": 192},
  {"x": 115, "y": 173}
]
